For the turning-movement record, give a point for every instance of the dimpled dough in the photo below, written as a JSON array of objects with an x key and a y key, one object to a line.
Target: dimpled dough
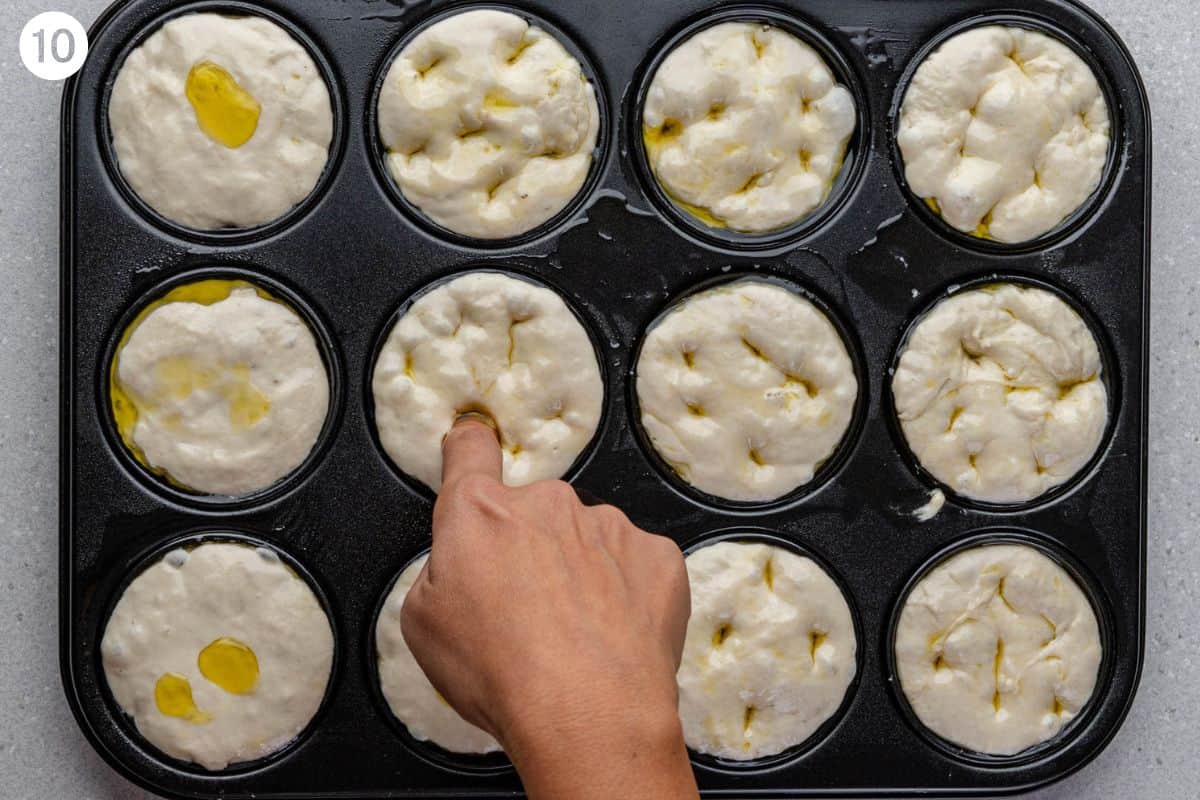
[
  {"x": 488, "y": 342},
  {"x": 181, "y": 604},
  {"x": 745, "y": 389},
  {"x": 410, "y": 695},
  {"x": 184, "y": 174},
  {"x": 489, "y": 124},
  {"x": 1006, "y": 129},
  {"x": 769, "y": 654},
  {"x": 997, "y": 649},
  {"x": 999, "y": 394},
  {"x": 746, "y": 124}
]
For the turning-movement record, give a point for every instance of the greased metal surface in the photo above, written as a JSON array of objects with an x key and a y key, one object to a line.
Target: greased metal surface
[{"x": 354, "y": 254}]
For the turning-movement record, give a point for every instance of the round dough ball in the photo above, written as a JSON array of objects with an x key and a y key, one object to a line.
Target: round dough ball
[
  {"x": 409, "y": 694},
  {"x": 496, "y": 344},
  {"x": 745, "y": 390},
  {"x": 489, "y": 124},
  {"x": 1004, "y": 131},
  {"x": 769, "y": 654},
  {"x": 997, "y": 649},
  {"x": 999, "y": 394},
  {"x": 219, "y": 388},
  {"x": 220, "y": 122},
  {"x": 745, "y": 126},
  {"x": 220, "y": 655}
]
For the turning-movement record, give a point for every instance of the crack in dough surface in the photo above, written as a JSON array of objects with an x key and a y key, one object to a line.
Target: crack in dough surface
[
  {"x": 189, "y": 601},
  {"x": 997, "y": 649},
  {"x": 409, "y": 694},
  {"x": 1006, "y": 131},
  {"x": 745, "y": 390},
  {"x": 769, "y": 653},
  {"x": 226, "y": 397},
  {"x": 496, "y": 344},
  {"x": 182, "y": 171},
  {"x": 489, "y": 122},
  {"x": 999, "y": 393},
  {"x": 746, "y": 127}
]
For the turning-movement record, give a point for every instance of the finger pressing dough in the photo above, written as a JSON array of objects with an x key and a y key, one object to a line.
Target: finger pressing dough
[
  {"x": 220, "y": 387},
  {"x": 220, "y": 121},
  {"x": 220, "y": 654},
  {"x": 769, "y": 654},
  {"x": 999, "y": 394},
  {"x": 409, "y": 694},
  {"x": 1005, "y": 132},
  {"x": 745, "y": 126},
  {"x": 492, "y": 343},
  {"x": 745, "y": 389},
  {"x": 997, "y": 648},
  {"x": 489, "y": 124}
]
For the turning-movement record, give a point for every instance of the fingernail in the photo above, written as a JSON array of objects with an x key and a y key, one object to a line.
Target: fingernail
[{"x": 478, "y": 416}]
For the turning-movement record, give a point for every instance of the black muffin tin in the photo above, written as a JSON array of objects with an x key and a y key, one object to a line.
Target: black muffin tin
[{"x": 352, "y": 254}]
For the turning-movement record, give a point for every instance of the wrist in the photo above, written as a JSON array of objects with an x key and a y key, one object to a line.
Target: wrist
[{"x": 608, "y": 750}]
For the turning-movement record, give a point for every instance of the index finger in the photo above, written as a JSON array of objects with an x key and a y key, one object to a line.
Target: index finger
[{"x": 471, "y": 448}]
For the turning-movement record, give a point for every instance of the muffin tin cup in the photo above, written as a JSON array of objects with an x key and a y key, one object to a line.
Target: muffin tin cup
[
  {"x": 1109, "y": 376},
  {"x": 753, "y": 535},
  {"x": 1074, "y": 220},
  {"x": 600, "y": 154},
  {"x": 227, "y": 236},
  {"x": 467, "y": 764},
  {"x": 796, "y": 23},
  {"x": 509, "y": 271},
  {"x": 326, "y": 346},
  {"x": 352, "y": 254},
  {"x": 1043, "y": 751},
  {"x": 824, "y": 471},
  {"x": 114, "y": 587}
]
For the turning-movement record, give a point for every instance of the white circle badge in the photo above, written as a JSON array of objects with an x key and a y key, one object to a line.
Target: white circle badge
[{"x": 53, "y": 45}]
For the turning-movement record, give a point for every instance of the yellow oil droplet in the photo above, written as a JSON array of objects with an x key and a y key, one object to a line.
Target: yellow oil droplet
[
  {"x": 247, "y": 405},
  {"x": 173, "y": 696},
  {"x": 179, "y": 376},
  {"x": 125, "y": 406},
  {"x": 495, "y": 101},
  {"x": 226, "y": 112},
  {"x": 229, "y": 664},
  {"x": 702, "y": 214}
]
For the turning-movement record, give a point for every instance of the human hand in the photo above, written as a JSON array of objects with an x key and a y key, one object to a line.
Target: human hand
[{"x": 554, "y": 626}]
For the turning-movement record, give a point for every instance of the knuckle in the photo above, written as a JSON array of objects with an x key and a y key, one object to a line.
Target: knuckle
[
  {"x": 555, "y": 491},
  {"x": 612, "y": 517},
  {"x": 476, "y": 489}
]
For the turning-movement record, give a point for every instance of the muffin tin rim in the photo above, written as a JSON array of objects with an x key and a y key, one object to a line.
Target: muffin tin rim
[
  {"x": 558, "y": 222},
  {"x": 846, "y": 182},
  {"x": 1110, "y": 375},
  {"x": 827, "y": 470},
  {"x": 508, "y": 269},
  {"x": 331, "y": 358},
  {"x": 226, "y": 236},
  {"x": 1097, "y": 598},
  {"x": 1074, "y": 223},
  {"x": 428, "y": 751},
  {"x": 189, "y": 538},
  {"x": 757, "y": 534}
]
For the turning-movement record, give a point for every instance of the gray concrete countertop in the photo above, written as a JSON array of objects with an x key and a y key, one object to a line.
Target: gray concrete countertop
[{"x": 43, "y": 754}]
